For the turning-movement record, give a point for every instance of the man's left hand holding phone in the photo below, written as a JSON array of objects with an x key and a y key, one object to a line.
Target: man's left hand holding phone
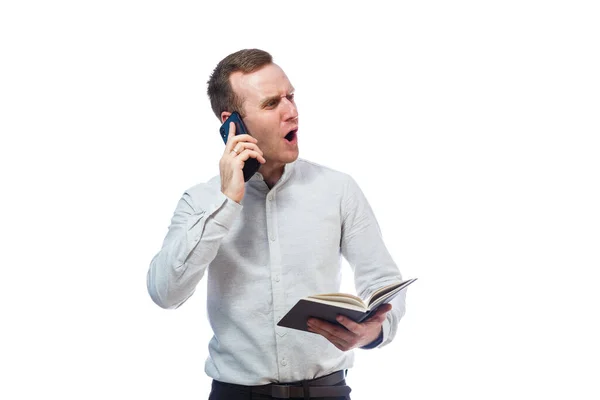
[{"x": 241, "y": 158}]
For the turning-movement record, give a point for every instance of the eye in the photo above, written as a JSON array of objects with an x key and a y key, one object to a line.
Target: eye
[
  {"x": 290, "y": 97},
  {"x": 271, "y": 103}
]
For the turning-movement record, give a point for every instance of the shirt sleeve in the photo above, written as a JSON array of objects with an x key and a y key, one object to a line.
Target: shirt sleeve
[
  {"x": 202, "y": 218},
  {"x": 363, "y": 247}
]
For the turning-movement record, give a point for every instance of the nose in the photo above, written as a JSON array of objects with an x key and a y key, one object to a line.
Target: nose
[{"x": 290, "y": 110}]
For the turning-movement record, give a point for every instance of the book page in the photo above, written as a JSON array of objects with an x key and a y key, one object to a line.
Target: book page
[
  {"x": 382, "y": 295},
  {"x": 383, "y": 291},
  {"x": 349, "y": 304},
  {"x": 340, "y": 298},
  {"x": 385, "y": 297}
]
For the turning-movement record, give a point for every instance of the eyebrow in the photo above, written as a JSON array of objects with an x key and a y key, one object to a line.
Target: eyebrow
[{"x": 265, "y": 101}]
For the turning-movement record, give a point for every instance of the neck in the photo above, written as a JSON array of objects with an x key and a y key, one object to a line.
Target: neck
[{"x": 271, "y": 173}]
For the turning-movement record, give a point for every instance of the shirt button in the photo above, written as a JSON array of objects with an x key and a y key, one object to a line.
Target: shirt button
[
  {"x": 283, "y": 362},
  {"x": 272, "y": 238},
  {"x": 276, "y": 278},
  {"x": 270, "y": 197}
]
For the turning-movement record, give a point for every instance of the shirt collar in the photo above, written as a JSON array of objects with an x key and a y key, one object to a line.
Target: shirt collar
[{"x": 288, "y": 170}]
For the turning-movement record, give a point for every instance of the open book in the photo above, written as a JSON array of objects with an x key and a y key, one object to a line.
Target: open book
[{"x": 329, "y": 306}]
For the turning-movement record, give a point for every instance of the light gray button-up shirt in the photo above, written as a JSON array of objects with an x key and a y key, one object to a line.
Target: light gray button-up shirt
[{"x": 262, "y": 256}]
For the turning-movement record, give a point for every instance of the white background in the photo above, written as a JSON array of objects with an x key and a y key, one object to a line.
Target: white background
[{"x": 471, "y": 126}]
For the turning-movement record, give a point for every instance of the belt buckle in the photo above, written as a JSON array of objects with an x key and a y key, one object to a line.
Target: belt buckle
[{"x": 280, "y": 391}]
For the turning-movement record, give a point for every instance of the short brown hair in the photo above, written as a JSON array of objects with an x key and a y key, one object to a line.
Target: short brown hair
[{"x": 220, "y": 91}]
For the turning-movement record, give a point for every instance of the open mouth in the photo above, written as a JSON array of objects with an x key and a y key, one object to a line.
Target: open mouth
[{"x": 291, "y": 135}]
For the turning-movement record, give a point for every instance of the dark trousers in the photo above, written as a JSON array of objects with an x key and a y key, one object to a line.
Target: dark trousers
[{"x": 228, "y": 391}]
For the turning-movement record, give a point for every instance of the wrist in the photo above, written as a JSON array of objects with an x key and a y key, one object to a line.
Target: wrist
[
  {"x": 230, "y": 197},
  {"x": 377, "y": 340}
]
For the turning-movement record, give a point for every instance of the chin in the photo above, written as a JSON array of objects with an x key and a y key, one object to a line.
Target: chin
[{"x": 291, "y": 158}]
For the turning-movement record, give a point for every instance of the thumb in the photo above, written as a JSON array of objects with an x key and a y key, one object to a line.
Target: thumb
[
  {"x": 380, "y": 315},
  {"x": 385, "y": 308},
  {"x": 382, "y": 312}
]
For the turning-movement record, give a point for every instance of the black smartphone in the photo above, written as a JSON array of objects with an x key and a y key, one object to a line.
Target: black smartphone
[{"x": 252, "y": 164}]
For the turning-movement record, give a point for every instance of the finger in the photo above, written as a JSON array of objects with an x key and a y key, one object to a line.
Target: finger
[
  {"x": 378, "y": 318},
  {"x": 383, "y": 309},
  {"x": 244, "y": 138},
  {"x": 332, "y": 329},
  {"x": 380, "y": 315},
  {"x": 234, "y": 140},
  {"x": 239, "y": 147},
  {"x": 336, "y": 341},
  {"x": 246, "y": 154},
  {"x": 238, "y": 144},
  {"x": 350, "y": 325},
  {"x": 231, "y": 134}
]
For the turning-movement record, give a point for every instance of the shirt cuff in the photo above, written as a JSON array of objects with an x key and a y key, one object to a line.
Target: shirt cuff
[{"x": 228, "y": 212}]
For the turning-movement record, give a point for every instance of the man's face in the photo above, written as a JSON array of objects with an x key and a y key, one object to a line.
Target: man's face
[{"x": 270, "y": 113}]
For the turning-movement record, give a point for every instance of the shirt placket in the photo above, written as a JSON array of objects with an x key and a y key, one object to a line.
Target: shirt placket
[{"x": 283, "y": 361}]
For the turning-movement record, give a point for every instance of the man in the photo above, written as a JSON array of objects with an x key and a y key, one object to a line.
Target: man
[{"x": 270, "y": 241}]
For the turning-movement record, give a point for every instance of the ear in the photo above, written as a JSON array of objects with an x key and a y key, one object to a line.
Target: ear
[{"x": 224, "y": 116}]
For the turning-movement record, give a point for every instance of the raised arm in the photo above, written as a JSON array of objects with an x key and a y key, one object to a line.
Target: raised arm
[{"x": 201, "y": 220}]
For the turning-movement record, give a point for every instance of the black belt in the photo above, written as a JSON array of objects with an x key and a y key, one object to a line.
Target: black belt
[
  {"x": 332, "y": 385},
  {"x": 320, "y": 387}
]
